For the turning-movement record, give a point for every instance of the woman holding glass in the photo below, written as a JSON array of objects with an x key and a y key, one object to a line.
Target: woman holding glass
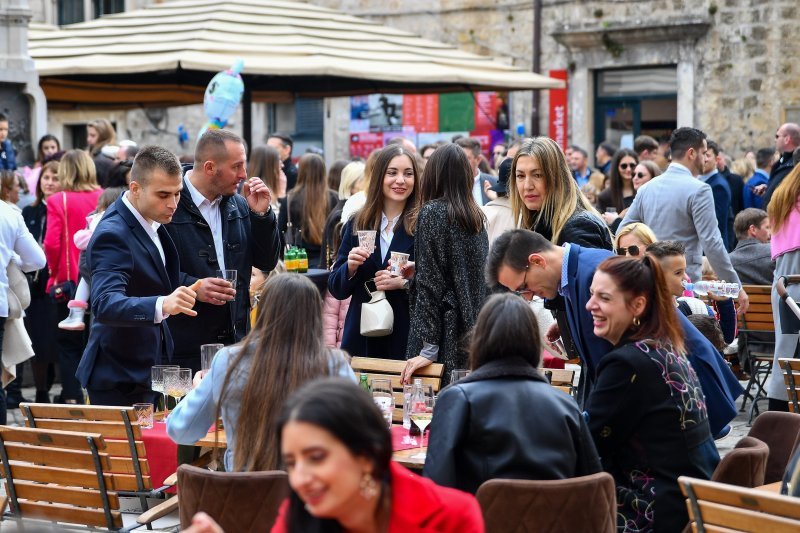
[
  {"x": 505, "y": 420},
  {"x": 337, "y": 451},
  {"x": 450, "y": 247},
  {"x": 390, "y": 198},
  {"x": 248, "y": 382},
  {"x": 66, "y": 214},
  {"x": 646, "y": 412},
  {"x": 546, "y": 198}
]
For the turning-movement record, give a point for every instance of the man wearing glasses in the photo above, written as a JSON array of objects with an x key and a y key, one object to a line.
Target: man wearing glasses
[{"x": 526, "y": 263}]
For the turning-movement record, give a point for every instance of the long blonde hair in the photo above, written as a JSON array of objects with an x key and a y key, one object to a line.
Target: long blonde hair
[
  {"x": 562, "y": 196},
  {"x": 105, "y": 134},
  {"x": 76, "y": 172},
  {"x": 784, "y": 199}
]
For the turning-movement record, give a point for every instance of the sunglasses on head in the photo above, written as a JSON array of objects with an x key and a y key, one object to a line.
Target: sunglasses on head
[
  {"x": 625, "y": 166},
  {"x": 629, "y": 250},
  {"x": 641, "y": 175}
]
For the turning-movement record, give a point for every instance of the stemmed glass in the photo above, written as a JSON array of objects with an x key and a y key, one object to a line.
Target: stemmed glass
[
  {"x": 177, "y": 382},
  {"x": 157, "y": 379},
  {"x": 384, "y": 398},
  {"x": 422, "y": 412}
]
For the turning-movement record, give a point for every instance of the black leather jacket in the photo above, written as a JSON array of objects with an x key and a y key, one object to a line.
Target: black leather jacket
[
  {"x": 248, "y": 241},
  {"x": 505, "y": 421}
]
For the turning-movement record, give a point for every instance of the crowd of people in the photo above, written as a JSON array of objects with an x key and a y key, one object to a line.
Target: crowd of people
[{"x": 128, "y": 253}]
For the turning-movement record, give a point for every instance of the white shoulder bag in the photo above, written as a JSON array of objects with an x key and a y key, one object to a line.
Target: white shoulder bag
[{"x": 377, "y": 317}]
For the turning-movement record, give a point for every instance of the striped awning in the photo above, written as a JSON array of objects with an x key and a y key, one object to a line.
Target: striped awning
[{"x": 166, "y": 53}]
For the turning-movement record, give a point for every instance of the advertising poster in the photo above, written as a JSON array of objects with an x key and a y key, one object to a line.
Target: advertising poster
[
  {"x": 362, "y": 144},
  {"x": 558, "y": 110},
  {"x": 421, "y": 112},
  {"x": 385, "y": 112}
]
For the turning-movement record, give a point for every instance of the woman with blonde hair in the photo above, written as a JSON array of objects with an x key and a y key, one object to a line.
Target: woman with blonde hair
[
  {"x": 66, "y": 215},
  {"x": 359, "y": 198},
  {"x": 307, "y": 206},
  {"x": 546, "y": 198},
  {"x": 100, "y": 133},
  {"x": 633, "y": 239},
  {"x": 784, "y": 216},
  {"x": 350, "y": 183}
]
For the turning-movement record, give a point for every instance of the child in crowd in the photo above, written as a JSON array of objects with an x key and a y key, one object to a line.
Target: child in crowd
[
  {"x": 671, "y": 256},
  {"x": 77, "y": 306},
  {"x": 7, "y": 155}
]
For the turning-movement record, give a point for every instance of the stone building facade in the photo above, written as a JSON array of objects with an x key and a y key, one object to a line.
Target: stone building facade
[{"x": 634, "y": 66}]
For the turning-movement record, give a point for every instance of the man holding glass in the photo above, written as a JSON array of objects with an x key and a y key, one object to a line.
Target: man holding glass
[
  {"x": 220, "y": 236},
  {"x": 135, "y": 285}
]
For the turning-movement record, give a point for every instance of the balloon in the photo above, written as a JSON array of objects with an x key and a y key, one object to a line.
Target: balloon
[{"x": 223, "y": 95}]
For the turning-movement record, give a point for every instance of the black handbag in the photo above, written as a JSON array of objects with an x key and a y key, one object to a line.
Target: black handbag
[
  {"x": 64, "y": 292},
  {"x": 292, "y": 235}
]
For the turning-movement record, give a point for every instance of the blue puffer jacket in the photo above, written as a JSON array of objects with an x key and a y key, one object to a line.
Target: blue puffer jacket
[{"x": 8, "y": 159}]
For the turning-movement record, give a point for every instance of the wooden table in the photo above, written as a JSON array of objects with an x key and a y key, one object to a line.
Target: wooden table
[
  {"x": 407, "y": 459},
  {"x": 209, "y": 442},
  {"x": 774, "y": 488}
]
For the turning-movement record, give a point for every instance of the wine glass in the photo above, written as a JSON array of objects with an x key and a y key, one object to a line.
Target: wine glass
[
  {"x": 157, "y": 380},
  {"x": 207, "y": 353},
  {"x": 384, "y": 398},
  {"x": 177, "y": 382},
  {"x": 422, "y": 412}
]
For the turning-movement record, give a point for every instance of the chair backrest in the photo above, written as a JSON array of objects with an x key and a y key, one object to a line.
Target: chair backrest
[
  {"x": 744, "y": 465},
  {"x": 117, "y": 425},
  {"x": 239, "y": 501},
  {"x": 790, "y": 368},
  {"x": 587, "y": 504},
  {"x": 561, "y": 379},
  {"x": 759, "y": 314},
  {"x": 731, "y": 509},
  {"x": 781, "y": 432},
  {"x": 60, "y": 476},
  {"x": 391, "y": 369}
]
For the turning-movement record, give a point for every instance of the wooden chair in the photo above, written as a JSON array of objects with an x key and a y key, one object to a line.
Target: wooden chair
[
  {"x": 59, "y": 476},
  {"x": 720, "y": 507},
  {"x": 587, "y": 504},
  {"x": 791, "y": 378},
  {"x": 561, "y": 379},
  {"x": 757, "y": 342},
  {"x": 122, "y": 436},
  {"x": 391, "y": 369}
]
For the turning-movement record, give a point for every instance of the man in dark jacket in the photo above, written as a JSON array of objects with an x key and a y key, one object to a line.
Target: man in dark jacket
[
  {"x": 787, "y": 139},
  {"x": 721, "y": 192},
  {"x": 284, "y": 145},
  {"x": 216, "y": 229}
]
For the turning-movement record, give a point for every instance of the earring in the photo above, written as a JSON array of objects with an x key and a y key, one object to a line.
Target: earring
[
  {"x": 636, "y": 322},
  {"x": 368, "y": 486}
]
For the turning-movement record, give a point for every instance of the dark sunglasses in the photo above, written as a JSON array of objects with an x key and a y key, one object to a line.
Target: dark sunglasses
[
  {"x": 630, "y": 250},
  {"x": 625, "y": 166},
  {"x": 641, "y": 175}
]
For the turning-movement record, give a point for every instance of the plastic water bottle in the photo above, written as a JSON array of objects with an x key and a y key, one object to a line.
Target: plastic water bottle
[{"x": 718, "y": 288}]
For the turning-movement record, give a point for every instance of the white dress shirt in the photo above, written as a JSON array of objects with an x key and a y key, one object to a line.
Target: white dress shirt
[
  {"x": 16, "y": 244},
  {"x": 477, "y": 193},
  {"x": 211, "y": 214},
  {"x": 151, "y": 228},
  {"x": 387, "y": 233}
]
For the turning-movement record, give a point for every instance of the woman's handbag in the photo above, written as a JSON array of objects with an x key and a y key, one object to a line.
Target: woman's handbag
[
  {"x": 377, "y": 316},
  {"x": 291, "y": 237},
  {"x": 64, "y": 291}
]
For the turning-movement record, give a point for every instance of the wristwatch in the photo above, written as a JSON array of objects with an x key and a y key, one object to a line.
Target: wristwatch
[
  {"x": 264, "y": 213},
  {"x": 406, "y": 284}
]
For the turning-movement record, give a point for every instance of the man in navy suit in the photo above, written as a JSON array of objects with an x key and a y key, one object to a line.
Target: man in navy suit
[
  {"x": 530, "y": 265},
  {"x": 481, "y": 182},
  {"x": 135, "y": 284}
]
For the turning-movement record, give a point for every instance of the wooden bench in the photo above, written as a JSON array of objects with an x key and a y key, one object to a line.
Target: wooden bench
[
  {"x": 391, "y": 369},
  {"x": 59, "y": 476},
  {"x": 122, "y": 436},
  {"x": 731, "y": 509},
  {"x": 561, "y": 379},
  {"x": 757, "y": 342},
  {"x": 790, "y": 368}
]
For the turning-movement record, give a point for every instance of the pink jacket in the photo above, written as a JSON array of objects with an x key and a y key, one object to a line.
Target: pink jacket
[
  {"x": 333, "y": 315},
  {"x": 787, "y": 239},
  {"x": 58, "y": 240}
]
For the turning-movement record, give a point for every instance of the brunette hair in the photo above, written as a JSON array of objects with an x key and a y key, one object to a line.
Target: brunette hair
[
  {"x": 746, "y": 218},
  {"x": 50, "y": 166},
  {"x": 784, "y": 199},
  {"x": 448, "y": 176},
  {"x": 152, "y": 158},
  {"x": 615, "y": 178},
  {"x": 345, "y": 411},
  {"x": 7, "y": 180},
  {"x": 369, "y": 164},
  {"x": 644, "y": 277},
  {"x": 108, "y": 197},
  {"x": 512, "y": 249},
  {"x": 264, "y": 160},
  {"x": 651, "y": 167},
  {"x": 369, "y": 216},
  {"x": 506, "y": 327},
  {"x": 76, "y": 172},
  {"x": 285, "y": 350},
  {"x": 335, "y": 174},
  {"x": 44, "y": 139},
  {"x": 312, "y": 188},
  {"x": 562, "y": 197},
  {"x": 709, "y": 327},
  {"x": 105, "y": 134},
  {"x": 211, "y": 146}
]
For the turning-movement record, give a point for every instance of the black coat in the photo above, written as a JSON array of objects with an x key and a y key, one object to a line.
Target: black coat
[
  {"x": 248, "y": 241},
  {"x": 780, "y": 169},
  {"x": 504, "y": 420},
  {"x": 295, "y": 205},
  {"x": 448, "y": 289},
  {"x": 582, "y": 228}
]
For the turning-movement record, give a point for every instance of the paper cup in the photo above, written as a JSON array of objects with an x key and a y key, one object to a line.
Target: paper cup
[
  {"x": 396, "y": 263},
  {"x": 366, "y": 240}
]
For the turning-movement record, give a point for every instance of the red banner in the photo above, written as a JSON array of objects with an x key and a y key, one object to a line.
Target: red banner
[
  {"x": 421, "y": 112},
  {"x": 558, "y": 110},
  {"x": 485, "y": 112},
  {"x": 362, "y": 144}
]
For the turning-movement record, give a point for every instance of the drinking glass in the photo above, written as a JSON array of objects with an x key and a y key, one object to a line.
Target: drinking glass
[
  {"x": 144, "y": 414},
  {"x": 611, "y": 210},
  {"x": 407, "y": 389},
  {"x": 457, "y": 374},
  {"x": 231, "y": 276},
  {"x": 383, "y": 397},
  {"x": 177, "y": 382},
  {"x": 207, "y": 353},
  {"x": 422, "y": 412},
  {"x": 157, "y": 380}
]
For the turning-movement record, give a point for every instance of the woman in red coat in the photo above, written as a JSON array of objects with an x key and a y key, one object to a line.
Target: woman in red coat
[{"x": 337, "y": 451}]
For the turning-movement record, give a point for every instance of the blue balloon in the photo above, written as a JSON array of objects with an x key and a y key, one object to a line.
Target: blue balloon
[{"x": 223, "y": 95}]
